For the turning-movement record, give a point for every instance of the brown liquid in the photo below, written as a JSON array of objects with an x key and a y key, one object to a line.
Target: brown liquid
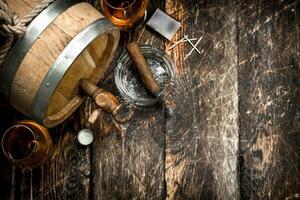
[
  {"x": 19, "y": 142},
  {"x": 124, "y": 13},
  {"x": 27, "y": 144}
]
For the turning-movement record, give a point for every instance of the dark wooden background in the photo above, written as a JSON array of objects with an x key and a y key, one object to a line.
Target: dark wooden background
[{"x": 228, "y": 128}]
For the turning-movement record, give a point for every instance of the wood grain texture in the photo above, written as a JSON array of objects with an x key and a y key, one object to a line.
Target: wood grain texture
[
  {"x": 202, "y": 124},
  {"x": 66, "y": 174},
  {"x": 76, "y": 18},
  {"x": 228, "y": 129},
  {"x": 129, "y": 162},
  {"x": 26, "y": 83},
  {"x": 269, "y": 103}
]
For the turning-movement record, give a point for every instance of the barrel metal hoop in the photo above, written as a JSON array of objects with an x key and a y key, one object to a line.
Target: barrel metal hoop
[
  {"x": 16, "y": 55},
  {"x": 63, "y": 63}
]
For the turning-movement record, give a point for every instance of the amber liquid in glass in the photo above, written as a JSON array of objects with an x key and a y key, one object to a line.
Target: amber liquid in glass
[
  {"x": 27, "y": 144},
  {"x": 20, "y": 143},
  {"x": 125, "y": 14}
]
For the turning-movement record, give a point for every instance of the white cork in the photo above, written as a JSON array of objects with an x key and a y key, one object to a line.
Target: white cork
[{"x": 85, "y": 137}]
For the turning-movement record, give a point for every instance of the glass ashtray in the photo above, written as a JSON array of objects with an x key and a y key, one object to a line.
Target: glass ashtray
[{"x": 129, "y": 82}]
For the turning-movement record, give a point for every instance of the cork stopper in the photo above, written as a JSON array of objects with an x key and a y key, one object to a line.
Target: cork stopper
[{"x": 85, "y": 137}]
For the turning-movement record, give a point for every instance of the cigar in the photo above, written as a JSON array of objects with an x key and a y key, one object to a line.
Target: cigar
[{"x": 143, "y": 68}]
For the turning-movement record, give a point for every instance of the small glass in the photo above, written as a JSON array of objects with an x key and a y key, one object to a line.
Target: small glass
[
  {"x": 27, "y": 144},
  {"x": 125, "y": 14},
  {"x": 129, "y": 83}
]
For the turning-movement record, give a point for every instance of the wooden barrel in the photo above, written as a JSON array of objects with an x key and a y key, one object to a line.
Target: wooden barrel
[{"x": 68, "y": 41}]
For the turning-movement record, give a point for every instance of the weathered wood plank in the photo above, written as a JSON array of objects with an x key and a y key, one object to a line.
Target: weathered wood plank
[
  {"x": 202, "y": 123},
  {"x": 66, "y": 175},
  {"x": 269, "y": 104},
  {"x": 128, "y": 163}
]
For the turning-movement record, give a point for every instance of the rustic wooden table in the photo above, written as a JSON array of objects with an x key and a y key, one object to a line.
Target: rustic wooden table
[{"x": 229, "y": 128}]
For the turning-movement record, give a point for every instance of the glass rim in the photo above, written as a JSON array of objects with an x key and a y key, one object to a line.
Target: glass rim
[
  {"x": 5, "y": 134},
  {"x": 120, "y": 8}
]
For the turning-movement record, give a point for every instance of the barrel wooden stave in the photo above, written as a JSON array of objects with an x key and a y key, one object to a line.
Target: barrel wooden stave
[
  {"x": 77, "y": 17},
  {"x": 32, "y": 70},
  {"x": 44, "y": 49}
]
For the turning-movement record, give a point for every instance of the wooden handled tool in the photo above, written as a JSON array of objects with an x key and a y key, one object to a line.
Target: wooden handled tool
[
  {"x": 143, "y": 68},
  {"x": 105, "y": 100}
]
